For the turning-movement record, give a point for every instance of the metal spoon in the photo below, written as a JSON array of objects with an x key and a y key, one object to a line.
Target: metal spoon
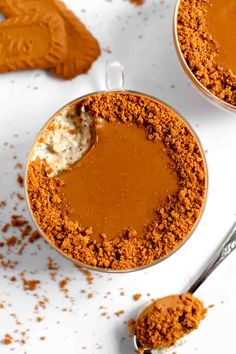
[{"x": 227, "y": 247}]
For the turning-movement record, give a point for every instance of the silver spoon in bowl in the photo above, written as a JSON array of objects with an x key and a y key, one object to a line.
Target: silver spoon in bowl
[{"x": 226, "y": 248}]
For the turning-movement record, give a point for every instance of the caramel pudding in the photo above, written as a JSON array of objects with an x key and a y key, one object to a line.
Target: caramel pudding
[
  {"x": 221, "y": 16},
  {"x": 120, "y": 183},
  {"x": 116, "y": 180},
  {"x": 167, "y": 320},
  {"x": 207, "y": 38}
]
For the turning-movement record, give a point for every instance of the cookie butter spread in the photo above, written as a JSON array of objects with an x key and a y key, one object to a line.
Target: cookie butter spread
[
  {"x": 133, "y": 197},
  {"x": 167, "y": 320},
  {"x": 207, "y": 37}
]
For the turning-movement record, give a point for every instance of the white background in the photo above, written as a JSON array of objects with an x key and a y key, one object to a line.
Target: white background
[{"x": 141, "y": 38}]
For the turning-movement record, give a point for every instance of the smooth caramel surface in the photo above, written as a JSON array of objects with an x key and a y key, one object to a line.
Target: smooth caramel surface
[
  {"x": 221, "y": 18},
  {"x": 120, "y": 182}
]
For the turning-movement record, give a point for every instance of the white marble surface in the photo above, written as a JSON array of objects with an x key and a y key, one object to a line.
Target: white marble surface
[{"x": 141, "y": 38}]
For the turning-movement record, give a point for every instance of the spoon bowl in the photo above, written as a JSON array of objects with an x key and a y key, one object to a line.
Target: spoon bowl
[
  {"x": 179, "y": 303},
  {"x": 137, "y": 345},
  {"x": 225, "y": 249}
]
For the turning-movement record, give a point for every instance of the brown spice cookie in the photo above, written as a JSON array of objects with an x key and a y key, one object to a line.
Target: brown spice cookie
[
  {"x": 31, "y": 42},
  {"x": 83, "y": 48}
]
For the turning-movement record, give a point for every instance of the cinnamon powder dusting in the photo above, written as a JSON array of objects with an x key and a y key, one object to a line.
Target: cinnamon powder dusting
[{"x": 173, "y": 221}]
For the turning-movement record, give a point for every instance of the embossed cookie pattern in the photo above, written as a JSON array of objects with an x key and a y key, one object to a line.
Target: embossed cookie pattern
[
  {"x": 31, "y": 42},
  {"x": 83, "y": 48}
]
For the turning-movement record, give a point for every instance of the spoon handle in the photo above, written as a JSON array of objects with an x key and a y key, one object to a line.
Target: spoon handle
[{"x": 221, "y": 254}]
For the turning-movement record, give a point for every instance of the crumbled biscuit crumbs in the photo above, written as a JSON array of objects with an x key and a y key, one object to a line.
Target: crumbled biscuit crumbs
[
  {"x": 2, "y": 203},
  {"x": 52, "y": 265},
  {"x": 34, "y": 237},
  {"x": 136, "y": 297},
  {"x": 137, "y": 2},
  {"x": 20, "y": 180},
  {"x": 200, "y": 50},
  {"x": 5, "y": 227},
  {"x": 210, "y": 306},
  {"x": 30, "y": 285},
  {"x": 163, "y": 326},
  {"x": 119, "y": 313},
  {"x": 63, "y": 283},
  {"x": 11, "y": 241},
  {"x": 7, "y": 340}
]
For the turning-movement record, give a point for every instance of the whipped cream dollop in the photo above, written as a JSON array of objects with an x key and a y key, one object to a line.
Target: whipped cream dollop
[{"x": 64, "y": 140}]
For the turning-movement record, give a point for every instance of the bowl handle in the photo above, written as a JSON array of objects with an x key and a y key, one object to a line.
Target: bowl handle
[{"x": 114, "y": 75}]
